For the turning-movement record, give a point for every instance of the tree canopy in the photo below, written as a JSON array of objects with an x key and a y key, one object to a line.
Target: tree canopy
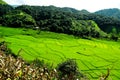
[
  {"x": 62, "y": 20},
  {"x": 5, "y": 9},
  {"x": 17, "y": 18}
]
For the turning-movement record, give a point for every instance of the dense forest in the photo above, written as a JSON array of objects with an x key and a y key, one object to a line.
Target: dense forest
[{"x": 61, "y": 20}]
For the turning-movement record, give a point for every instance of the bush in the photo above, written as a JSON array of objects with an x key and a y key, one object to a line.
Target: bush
[
  {"x": 5, "y": 49},
  {"x": 114, "y": 37},
  {"x": 69, "y": 70}
]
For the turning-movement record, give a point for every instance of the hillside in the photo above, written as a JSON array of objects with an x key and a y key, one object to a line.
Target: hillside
[
  {"x": 75, "y": 11},
  {"x": 59, "y": 20},
  {"x": 2, "y": 2},
  {"x": 110, "y": 12},
  {"x": 93, "y": 56},
  {"x": 50, "y": 18},
  {"x": 86, "y": 28},
  {"x": 81, "y": 28},
  {"x": 17, "y": 18},
  {"x": 4, "y": 9},
  {"x": 44, "y": 13}
]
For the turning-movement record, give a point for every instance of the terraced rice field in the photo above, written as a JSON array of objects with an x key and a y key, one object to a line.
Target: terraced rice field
[{"x": 93, "y": 56}]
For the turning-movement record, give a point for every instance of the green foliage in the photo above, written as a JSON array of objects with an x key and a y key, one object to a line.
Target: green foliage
[
  {"x": 48, "y": 16},
  {"x": 45, "y": 12},
  {"x": 68, "y": 70},
  {"x": 113, "y": 12},
  {"x": 68, "y": 67},
  {"x": 3, "y": 47},
  {"x": 81, "y": 28},
  {"x": 38, "y": 63},
  {"x": 60, "y": 20},
  {"x": 114, "y": 37},
  {"x": 105, "y": 23},
  {"x": 60, "y": 26},
  {"x": 2, "y": 2},
  {"x": 5, "y": 9},
  {"x": 18, "y": 18},
  {"x": 86, "y": 28}
]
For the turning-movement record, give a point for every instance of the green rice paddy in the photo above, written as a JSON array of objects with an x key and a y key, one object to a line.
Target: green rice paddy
[{"x": 94, "y": 56}]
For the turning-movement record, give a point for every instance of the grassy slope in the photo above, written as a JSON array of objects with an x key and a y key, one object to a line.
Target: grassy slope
[
  {"x": 2, "y": 2},
  {"x": 93, "y": 56}
]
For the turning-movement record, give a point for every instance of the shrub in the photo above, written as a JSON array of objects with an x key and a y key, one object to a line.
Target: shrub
[
  {"x": 69, "y": 70},
  {"x": 114, "y": 37}
]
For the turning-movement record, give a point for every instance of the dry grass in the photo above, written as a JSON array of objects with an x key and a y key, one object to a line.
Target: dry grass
[
  {"x": 12, "y": 68},
  {"x": 16, "y": 69}
]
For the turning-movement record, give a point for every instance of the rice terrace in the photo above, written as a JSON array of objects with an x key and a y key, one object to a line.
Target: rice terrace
[
  {"x": 94, "y": 56},
  {"x": 39, "y": 42}
]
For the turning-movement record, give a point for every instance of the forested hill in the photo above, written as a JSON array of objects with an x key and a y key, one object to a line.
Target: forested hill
[
  {"x": 107, "y": 24},
  {"x": 62, "y": 20},
  {"x": 75, "y": 11},
  {"x": 110, "y": 12}
]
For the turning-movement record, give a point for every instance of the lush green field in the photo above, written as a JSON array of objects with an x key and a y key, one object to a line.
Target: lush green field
[{"x": 93, "y": 56}]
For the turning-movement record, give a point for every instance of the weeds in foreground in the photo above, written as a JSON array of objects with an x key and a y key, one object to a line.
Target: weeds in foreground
[
  {"x": 105, "y": 76},
  {"x": 12, "y": 68}
]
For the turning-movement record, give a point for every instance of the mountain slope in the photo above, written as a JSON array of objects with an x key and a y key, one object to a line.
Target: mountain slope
[
  {"x": 72, "y": 10},
  {"x": 17, "y": 18},
  {"x": 59, "y": 19},
  {"x": 110, "y": 12}
]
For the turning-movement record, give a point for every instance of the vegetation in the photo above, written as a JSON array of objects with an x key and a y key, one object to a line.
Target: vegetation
[
  {"x": 15, "y": 68},
  {"x": 69, "y": 69},
  {"x": 5, "y": 9},
  {"x": 42, "y": 13},
  {"x": 2, "y": 2},
  {"x": 114, "y": 12},
  {"x": 18, "y": 19},
  {"x": 55, "y": 48},
  {"x": 85, "y": 28},
  {"x": 62, "y": 20},
  {"x": 107, "y": 24},
  {"x": 12, "y": 68}
]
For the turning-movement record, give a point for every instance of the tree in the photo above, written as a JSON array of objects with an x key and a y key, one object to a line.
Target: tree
[
  {"x": 17, "y": 18},
  {"x": 4, "y": 8},
  {"x": 69, "y": 70}
]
